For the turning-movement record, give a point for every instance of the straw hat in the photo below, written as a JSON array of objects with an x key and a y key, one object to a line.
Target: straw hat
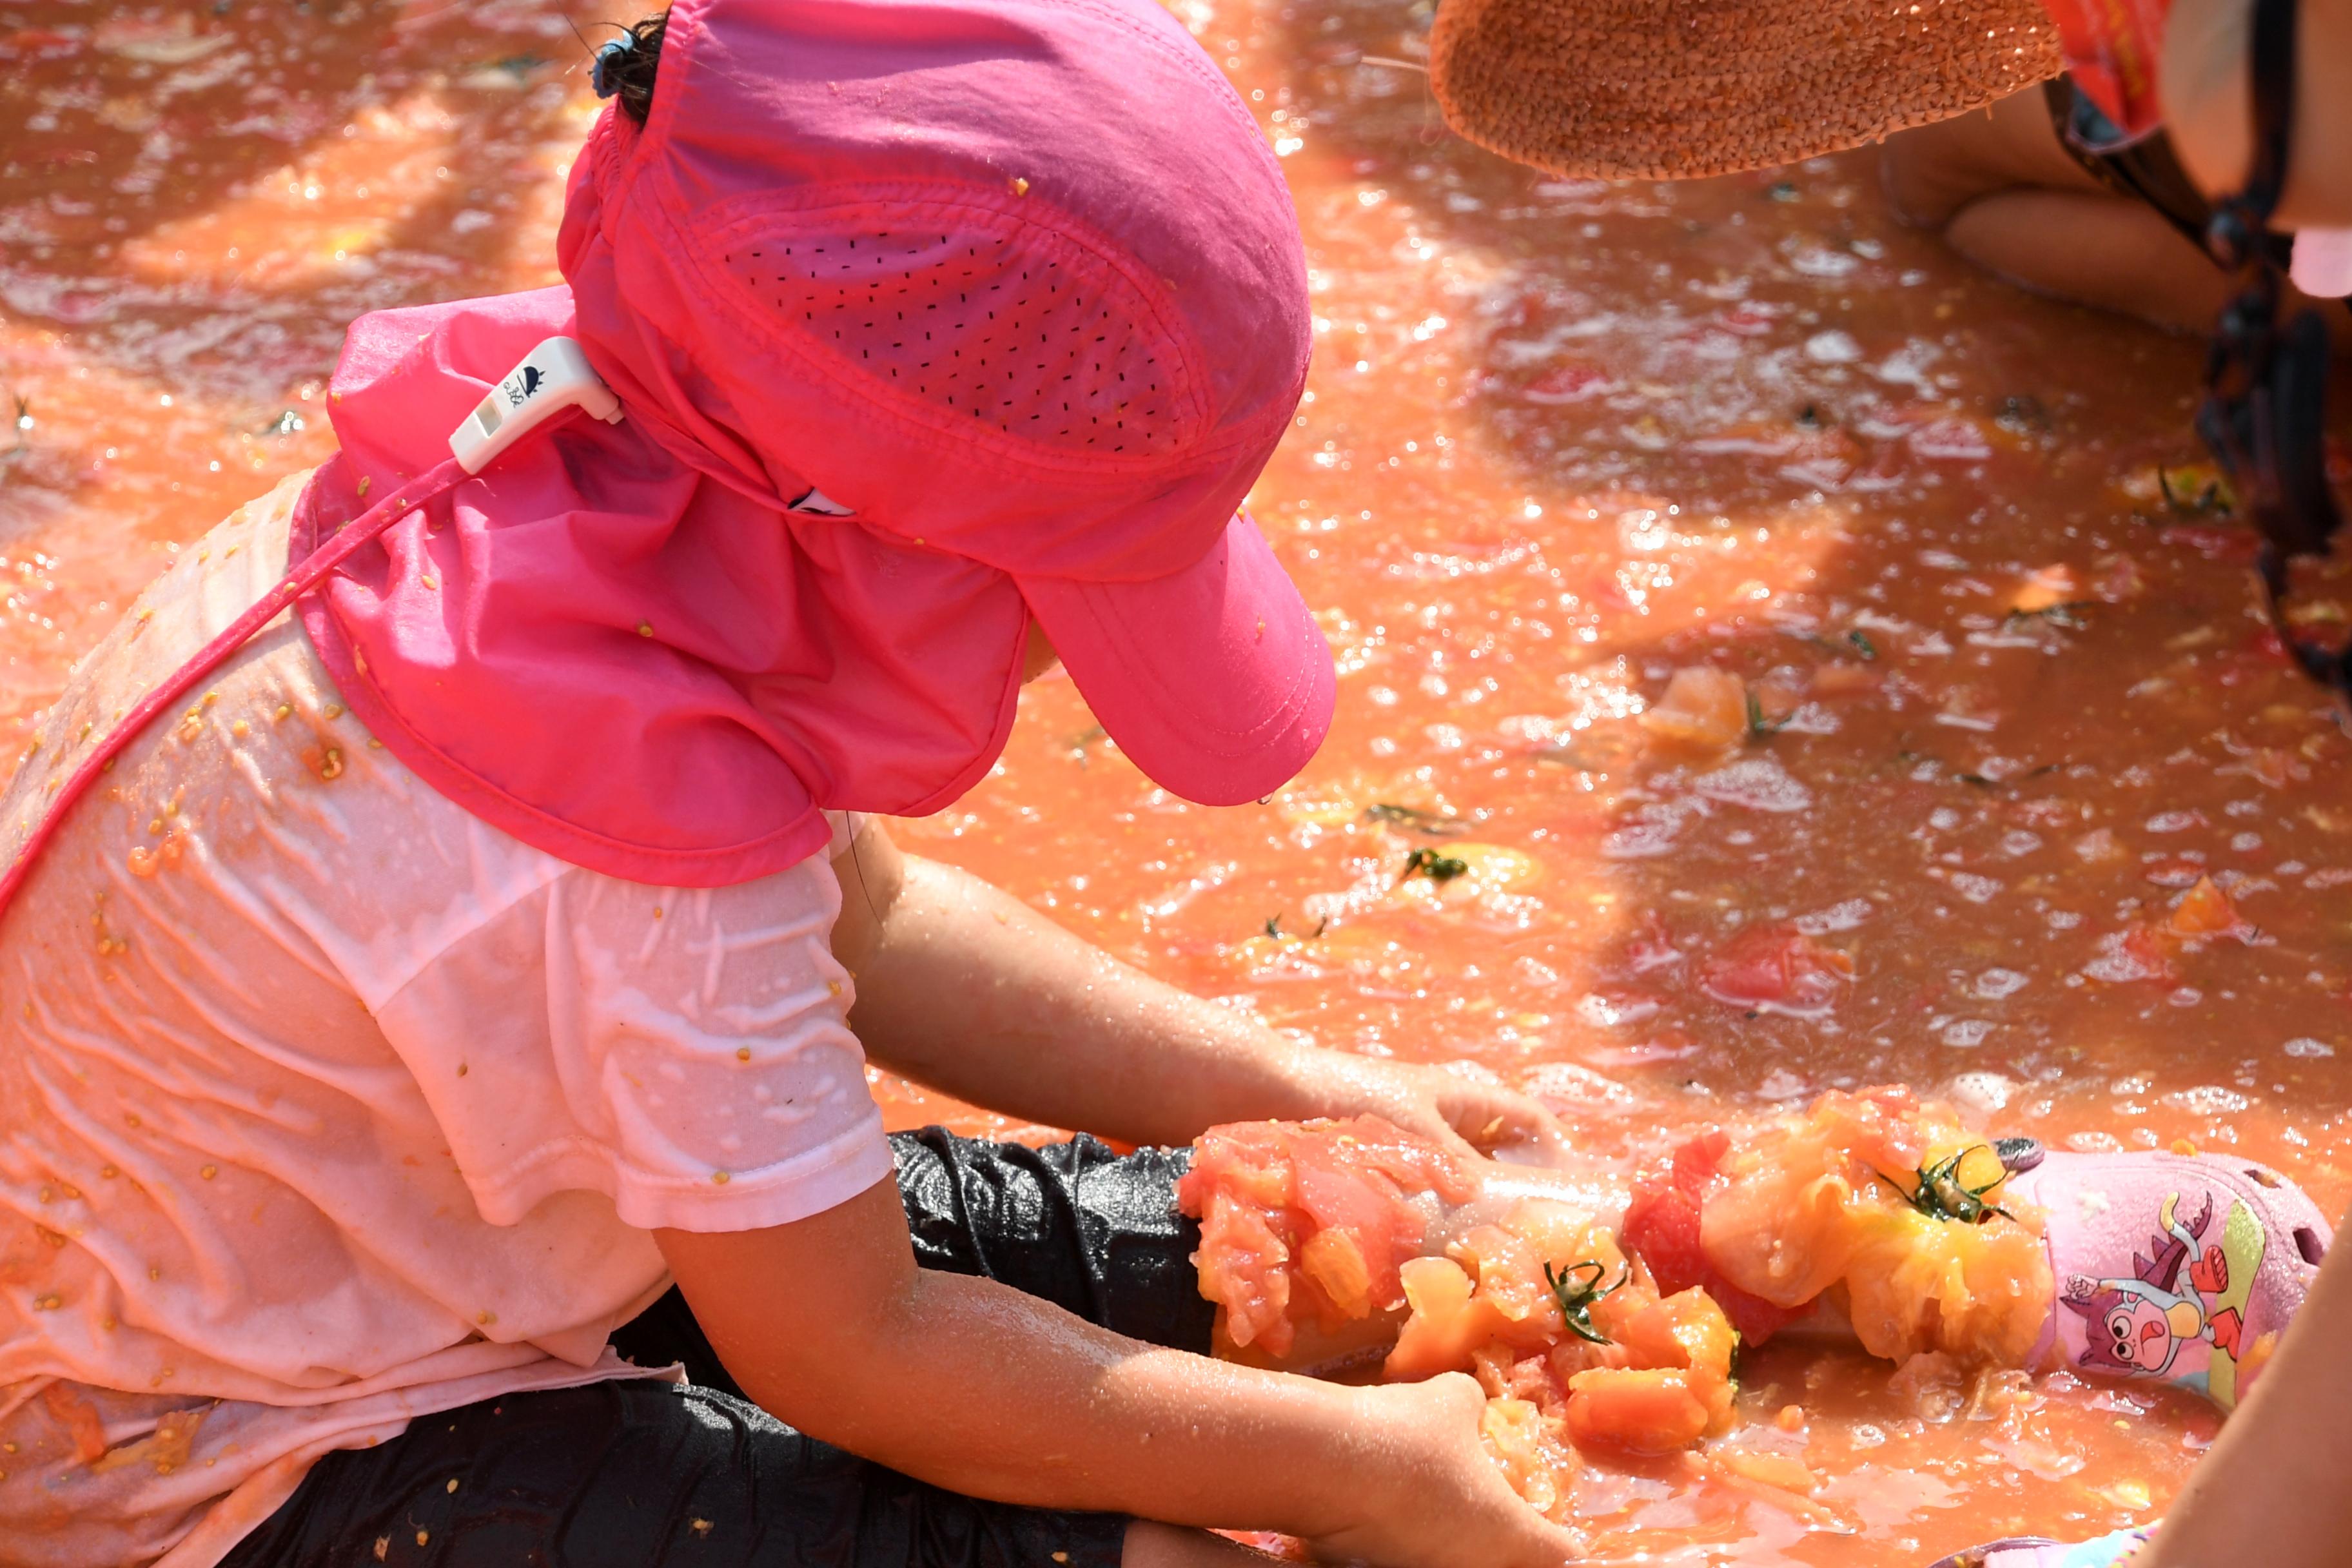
[{"x": 1684, "y": 89}]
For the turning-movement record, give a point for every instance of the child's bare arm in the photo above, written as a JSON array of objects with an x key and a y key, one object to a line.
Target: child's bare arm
[
  {"x": 968, "y": 989},
  {"x": 972, "y": 1385}
]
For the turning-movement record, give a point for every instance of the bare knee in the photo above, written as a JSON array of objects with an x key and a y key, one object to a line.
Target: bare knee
[
  {"x": 1931, "y": 173},
  {"x": 1920, "y": 181}
]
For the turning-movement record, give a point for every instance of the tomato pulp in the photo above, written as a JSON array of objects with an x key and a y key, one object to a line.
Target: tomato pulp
[{"x": 1562, "y": 440}]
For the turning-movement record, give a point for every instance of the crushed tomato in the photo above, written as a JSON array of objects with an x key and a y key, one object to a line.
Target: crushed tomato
[
  {"x": 1307, "y": 1222},
  {"x": 1590, "y": 1343},
  {"x": 1822, "y": 1205}
]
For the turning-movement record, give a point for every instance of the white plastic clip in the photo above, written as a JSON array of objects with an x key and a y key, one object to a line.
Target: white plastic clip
[{"x": 551, "y": 378}]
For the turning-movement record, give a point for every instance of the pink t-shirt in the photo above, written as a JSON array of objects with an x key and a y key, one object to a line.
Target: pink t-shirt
[{"x": 324, "y": 1106}]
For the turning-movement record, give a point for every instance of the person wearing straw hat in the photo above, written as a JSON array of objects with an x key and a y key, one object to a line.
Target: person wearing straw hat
[
  {"x": 2023, "y": 190},
  {"x": 1633, "y": 88},
  {"x": 446, "y": 913},
  {"x": 1638, "y": 90}
]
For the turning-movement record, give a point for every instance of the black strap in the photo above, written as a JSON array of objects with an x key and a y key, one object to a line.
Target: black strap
[{"x": 2146, "y": 170}]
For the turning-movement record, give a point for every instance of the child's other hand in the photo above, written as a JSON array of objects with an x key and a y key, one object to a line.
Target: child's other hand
[
  {"x": 1460, "y": 1113},
  {"x": 1428, "y": 1497}
]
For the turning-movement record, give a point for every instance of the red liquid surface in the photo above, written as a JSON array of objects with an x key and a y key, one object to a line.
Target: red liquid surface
[{"x": 1562, "y": 439}]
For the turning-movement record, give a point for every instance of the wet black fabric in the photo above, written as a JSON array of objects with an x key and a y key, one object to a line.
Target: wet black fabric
[
  {"x": 649, "y": 1475},
  {"x": 1092, "y": 1232},
  {"x": 644, "y": 1475}
]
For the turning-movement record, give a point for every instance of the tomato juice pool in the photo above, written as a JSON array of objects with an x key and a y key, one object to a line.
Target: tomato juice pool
[{"x": 2003, "y": 721}]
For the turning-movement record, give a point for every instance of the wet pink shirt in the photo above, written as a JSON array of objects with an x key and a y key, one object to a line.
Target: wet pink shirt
[{"x": 283, "y": 1166}]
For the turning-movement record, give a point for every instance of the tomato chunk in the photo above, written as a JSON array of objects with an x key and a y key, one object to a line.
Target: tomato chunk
[
  {"x": 1889, "y": 1201},
  {"x": 1703, "y": 706},
  {"x": 1662, "y": 1227},
  {"x": 1308, "y": 1221},
  {"x": 1777, "y": 969},
  {"x": 2206, "y": 911},
  {"x": 1641, "y": 1411}
]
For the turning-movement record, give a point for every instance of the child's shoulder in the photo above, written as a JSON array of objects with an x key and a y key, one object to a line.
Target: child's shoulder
[{"x": 204, "y": 586}]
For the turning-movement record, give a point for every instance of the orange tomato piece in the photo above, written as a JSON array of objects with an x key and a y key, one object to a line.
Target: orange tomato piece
[
  {"x": 1978, "y": 1292},
  {"x": 1702, "y": 1333},
  {"x": 1824, "y": 1200},
  {"x": 68, "y": 1407},
  {"x": 2046, "y": 589},
  {"x": 1640, "y": 1411},
  {"x": 1511, "y": 1285},
  {"x": 1703, "y": 706},
  {"x": 2205, "y": 911},
  {"x": 1842, "y": 679},
  {"x": 1333, "y": 1260},
  {"x": 1447, "y": 1326},
  {"x": 1768, "y": 1469}
]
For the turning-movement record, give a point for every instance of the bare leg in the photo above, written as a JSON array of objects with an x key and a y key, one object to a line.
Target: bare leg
[
  {"x": 1931, "y": 174},
  {"x": 2095, "y": 250},
  {"x": 2003, "y": 193},
  {"x": 2276, "y": 1477},
  {"x": 1151, "y": 1545}
]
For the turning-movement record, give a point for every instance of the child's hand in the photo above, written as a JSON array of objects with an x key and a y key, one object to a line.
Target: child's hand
[
  {"x": 1428, "y": 1496},
  {"x": 1459, "y": 1113}
]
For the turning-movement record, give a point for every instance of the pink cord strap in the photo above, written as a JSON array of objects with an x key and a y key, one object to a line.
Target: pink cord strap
[{"x": 297, "y": 583}]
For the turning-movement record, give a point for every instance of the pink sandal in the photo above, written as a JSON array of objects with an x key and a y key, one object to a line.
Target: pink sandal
[
  {"x": 2179, "y": 1268},
  {"x": 2032, "y": 1551}
]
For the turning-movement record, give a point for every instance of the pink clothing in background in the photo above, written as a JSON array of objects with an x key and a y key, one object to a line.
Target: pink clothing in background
[
  {"x": 325, "y": 1105},
  {"x": 2322, "y": 265}
]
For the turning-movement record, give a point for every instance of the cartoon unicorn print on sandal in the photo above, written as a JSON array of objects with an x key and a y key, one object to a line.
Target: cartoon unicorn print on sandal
[
  {"x": 2179, "y": 1268},
  {"x": 2176, "y": 1297}
]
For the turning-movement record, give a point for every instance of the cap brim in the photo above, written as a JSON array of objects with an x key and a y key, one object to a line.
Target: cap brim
[
  {"x": 1214, "y": 679},
  {"x": 1645, "y": 89}
]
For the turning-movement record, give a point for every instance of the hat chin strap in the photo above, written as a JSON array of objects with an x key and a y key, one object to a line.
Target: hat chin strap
[
  {"x": 553, "y": 377},
  {"x": 551, "y": 381}
]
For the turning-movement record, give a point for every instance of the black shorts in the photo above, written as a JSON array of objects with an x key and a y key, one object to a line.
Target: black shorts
[{"x": 642, "y": 1474}]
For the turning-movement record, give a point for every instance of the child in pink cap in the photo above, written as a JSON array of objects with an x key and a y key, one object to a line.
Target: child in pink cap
[{"x": 457, "y": 963}]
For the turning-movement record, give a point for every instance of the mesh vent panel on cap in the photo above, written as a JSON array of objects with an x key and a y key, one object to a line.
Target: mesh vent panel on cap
[{"x": 979, "y": 316}]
